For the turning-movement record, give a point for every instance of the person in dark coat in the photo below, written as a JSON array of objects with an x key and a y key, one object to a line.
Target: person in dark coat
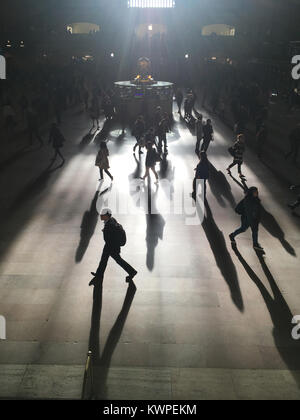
[
  {"x": 202, "y": 173},
  {"x": 163, "y": 129},
  {"x": 261, "y": 139},
  {"x": 112, "y": 248},
  {"x": 33, "y": 126},
  {"x": 102, "y": 161},
  {"x": 238, "y": 154},
  {"x": 208, "y": 135},
  {"x": 250, "y": 211},
  {"x": 294, "y": 139},
  {"x": 179, "y": 99},
  {"x": 57, "y": 140},
  {"x": 138, "y": 132},
  {"x": 199, "y": 133},
  {"x": 152, "y": 158}
]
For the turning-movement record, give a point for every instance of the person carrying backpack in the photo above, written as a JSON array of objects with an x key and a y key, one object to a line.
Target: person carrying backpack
[
  {"x": 250, "y": 211},
  {"x": 114, "y": 237},
  {"x": 237, "y": 152}
]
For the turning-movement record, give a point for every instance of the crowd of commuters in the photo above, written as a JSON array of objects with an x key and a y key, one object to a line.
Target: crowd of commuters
[{"x": 35, "y": 103}]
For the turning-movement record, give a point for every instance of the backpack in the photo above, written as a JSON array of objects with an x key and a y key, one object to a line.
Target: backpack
[
  {"x": 231, "y": 150},
  {"x": 240, "y": 209},
  {"x": 120, "y": 235}
]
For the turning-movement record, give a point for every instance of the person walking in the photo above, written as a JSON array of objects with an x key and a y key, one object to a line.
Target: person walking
[
  {"x": 163, "y": 129},
  {"x": 202, "y": 173},
  {"x": 152, "y": 158},
  {"x": 138, "y": 132},
  {"x": 208, "y": 135},
  {"x": 57, "y": 139},
  {"x": 237, "y": 152},
  {"x": 250, "y": 211},
  {"x": 261, "y": 139},
  {"x": 114, "y": 237},
  {"x": 179, "y": 99},
  {"x": 95, "y": 112},
  {"x": 102, "y": 161},
  {"x": 33, "y": 126},
  {"x": 199, "y": 133},
  {"x": 294, "y": 139}
]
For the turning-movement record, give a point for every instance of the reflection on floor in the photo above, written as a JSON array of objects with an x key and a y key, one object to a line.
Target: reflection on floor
[{"x": 205, "y": 320}]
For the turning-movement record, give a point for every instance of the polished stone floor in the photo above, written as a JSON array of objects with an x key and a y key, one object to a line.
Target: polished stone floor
[{"x": 205, "y": 321}]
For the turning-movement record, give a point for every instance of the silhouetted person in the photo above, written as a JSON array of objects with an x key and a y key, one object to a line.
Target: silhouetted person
[
  {"x": 294, "y": 139},
  {"x": 33, "y": 126},
  {"x": 199, "y": 133},
  {"x": 57, "y": 139},
  {"x": 102, "y": 161},
  {"x": 9, "y": 116},
  {"x": 138, "y": 132},
  {"x": 261, "y": 139},
  {"x": 114, "y": 237},
  {"x": 250, "y": 211},
  {"x": 202, "y": 173},
  {"x": 152, "y": 158},
  {"x": 208, "y": 135},
  {"x": 95, "y": 112},
  {"x": 163, "y": 129},
  {"x": 179, "y": 99},
  {"x": 158, "y": 115},
  {"x": 188, "y": 107},
  {"x": 237, "y": 151}
]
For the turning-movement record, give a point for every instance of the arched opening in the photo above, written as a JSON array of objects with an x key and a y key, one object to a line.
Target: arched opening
[
  {"x": 219, "y": 30},
  {"x": 81, "y": 28}
]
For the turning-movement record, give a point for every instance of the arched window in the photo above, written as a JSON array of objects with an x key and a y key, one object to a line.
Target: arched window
[
  {"x": 82, "y": 28},
  {"x": 218, "y": 29}
]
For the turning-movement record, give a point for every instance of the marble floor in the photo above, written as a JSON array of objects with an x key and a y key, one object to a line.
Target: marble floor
[{"x": 204, "y": 321}]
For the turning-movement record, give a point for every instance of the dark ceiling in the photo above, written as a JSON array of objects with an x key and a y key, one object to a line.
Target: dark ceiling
[{"x": 23, "y": 13}]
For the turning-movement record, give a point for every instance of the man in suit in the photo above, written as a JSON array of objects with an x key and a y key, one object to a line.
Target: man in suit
[{"x": 112, "y": 248}]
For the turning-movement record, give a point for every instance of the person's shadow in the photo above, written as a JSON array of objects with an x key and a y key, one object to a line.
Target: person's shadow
[
  {"x": 155, "y": 227},
  {"x": 220, "y": 187},
  {"x": 280, "y": 313},
  {"x": 87, "y": 139},
  {"x": 101, "y": 363},
  {"x": 223, "y": 259},
  {"x": 88, "y": 227},
  {"x": 272, "y": 226}
]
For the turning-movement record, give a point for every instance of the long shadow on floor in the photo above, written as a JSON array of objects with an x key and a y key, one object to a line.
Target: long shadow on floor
[
  {"x": 272, "y": 226},
  {"x": 101, "y": 364},
  {"x": 87, "y": 139},
  {"x": 88, "y": 226},
  {"x": 32, "y": 191},
  {"x": 223, "y": 258},
  {"x": 280, "y": 313},
  {"x": 15, "y": 157},
  {"x": 155, "y": 226},
  {"x": 220, "y": 187}
]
